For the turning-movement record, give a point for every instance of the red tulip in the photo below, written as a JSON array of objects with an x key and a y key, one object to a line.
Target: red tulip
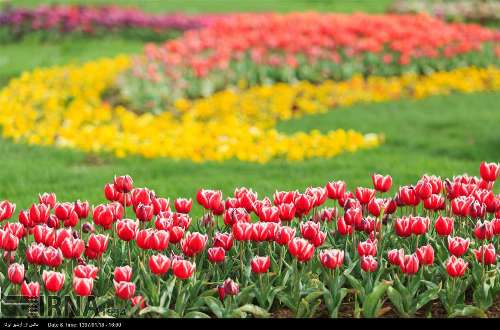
[
  {"x": 30, "y": 290},
  {"x": 309, "y": 230},
  {"x": 15, "y": 273},
  {"x": 8, "y": 241},
  {"x": 327, "y": 214},
  {"x": 319, "y": 193},
  {"x": 144, "y": 212},
  {"x": 72, "y": 248},
  {"x": 223, "y": 240},
  {"x": 354, "y": 217},
  {"x": 477, "y": 210},
  {"x": 228, "y": 288},
  {"x": 159, "y": 240},
  {"x": 110, "y": 192},
  {"x": 160, "y": 205},
  {"x": 260, "y": 232},
  {"x": 85, "y": 271},
  {"x": 34, "y": 253},
  {"x": 409, "y": 264},
  {"x": 364, "y": 195},
  {"x": 159, "y": 264},
  {"x": 98, "y": 243},
  {"x": 303, "y": 204},
  {"x": 61, "y": 235},
  {"x": 434, "y": 202},
  {"x": 460, "y": 206},
  {"x": 382, "y": 183},
  {"x": 82, "y": 209},
  {"x": 193, "y": 243},
  {"x": 7, "y": 209},
  {"x": 25, "y": 220},
  {"x": 367, "y": 248},
  {"x": 124, "y": 290},
  {"x": 123, "y": 274},
  {"x": 269, "y": 214},
  {"x": 83, "y": 286},
  {"x": 48, "y": 199},
  {"x": 284, "y": 197},
  {"x": 423, "y": 189},
  {"x": 216, "y": 254},
  {"x": 395, "y": 257},
  {"x": 242, "y": 231},
  {"x": 336, "y": 189},
  {"x": 54, "y": 281},
  {"x": 456, "y": 267},
  {"x": 15, "y": 228},
  {"x": 284, "y": 234},
  {"x": 368, "y": 263},
  {"x": 176, "y": 234},
  {"x": 301, "y": 249},
  {"x": 141, "y": 195},
  {"x": 425, "y": 254},
  {"x": 138, "y": 301},
  {"x": 183, "y": 205},
  {"x": 103, "y": 215},
  {"x": 403, "y": 227},
  {"x": 123, "y": 183},
  {"x": 260, "y": 265},
  {"x": 457, "y": 245},
  {"x": 183, "y": 269},
  {"x": 419, "y": 225},
  {"x": 408, "y": 196},
  {"x": 444, "y": 225},
  {"x": 39, "y": 213},
  {"x": 485, "y": 254},
  {"x": 484, "y": 230},
  {"x": 126, "y": 229},
  {"x": 52, "y": 257},
  {"x": 489, "y": 171},
  {"x": 286, "y": 211},
  {"x": 376, "y": 205},
  {"x": 331, "y": 258},
  {"x": 343, "y": 228},
  {"x": 234, "y": 215},
  {"x": 495, "y": 223}
]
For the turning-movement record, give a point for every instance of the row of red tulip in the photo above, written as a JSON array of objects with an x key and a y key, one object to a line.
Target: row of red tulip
[{"x": 465, "y": 197}]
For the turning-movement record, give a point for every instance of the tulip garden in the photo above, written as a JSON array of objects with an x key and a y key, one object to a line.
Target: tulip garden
[{"x": 328, "y": 162}]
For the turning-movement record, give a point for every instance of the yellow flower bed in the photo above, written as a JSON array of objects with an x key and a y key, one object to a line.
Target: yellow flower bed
[{"x": 62, "y": 106}]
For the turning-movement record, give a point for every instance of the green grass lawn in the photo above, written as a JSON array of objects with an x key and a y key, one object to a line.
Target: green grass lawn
[
  {"x": 197, "y": 6},
  {"x": 440, "y": 135}
]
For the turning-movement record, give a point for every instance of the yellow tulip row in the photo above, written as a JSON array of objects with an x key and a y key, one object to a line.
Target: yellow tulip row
[{"x": 63, "y": 106}]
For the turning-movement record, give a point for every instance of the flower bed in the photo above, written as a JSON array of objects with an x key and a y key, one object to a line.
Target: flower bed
[
  {"x": 63, "y": 106},
  {"x": 268, "y": 48},
  {"x": 458, "y": 10},
  {"x": 309, "y": 252},
  {"x": 94, "y": 20}
]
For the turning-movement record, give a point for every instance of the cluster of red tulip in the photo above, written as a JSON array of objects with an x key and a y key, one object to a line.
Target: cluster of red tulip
[
  {"x": 302, "y": 46},
  {"x": 446, "y": 215}
]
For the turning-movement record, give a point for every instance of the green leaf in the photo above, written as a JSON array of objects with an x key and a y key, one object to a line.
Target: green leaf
[
  {"x": 371, "y": 304},
  {"x": 396, "y": 300},
  {"x": 469, "y": 311},
  {"x": 196, "y": 315},
  {"x": 427, "y": 296},
  {"x": 303, "y": 309},
  {"x": 154, "y": 310},
  {"x": 254, "y": 310},
  {"x": 355, "y": 283},
  {"x": 215, "y": 306},
  {"x": 313, "y": 296}
]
